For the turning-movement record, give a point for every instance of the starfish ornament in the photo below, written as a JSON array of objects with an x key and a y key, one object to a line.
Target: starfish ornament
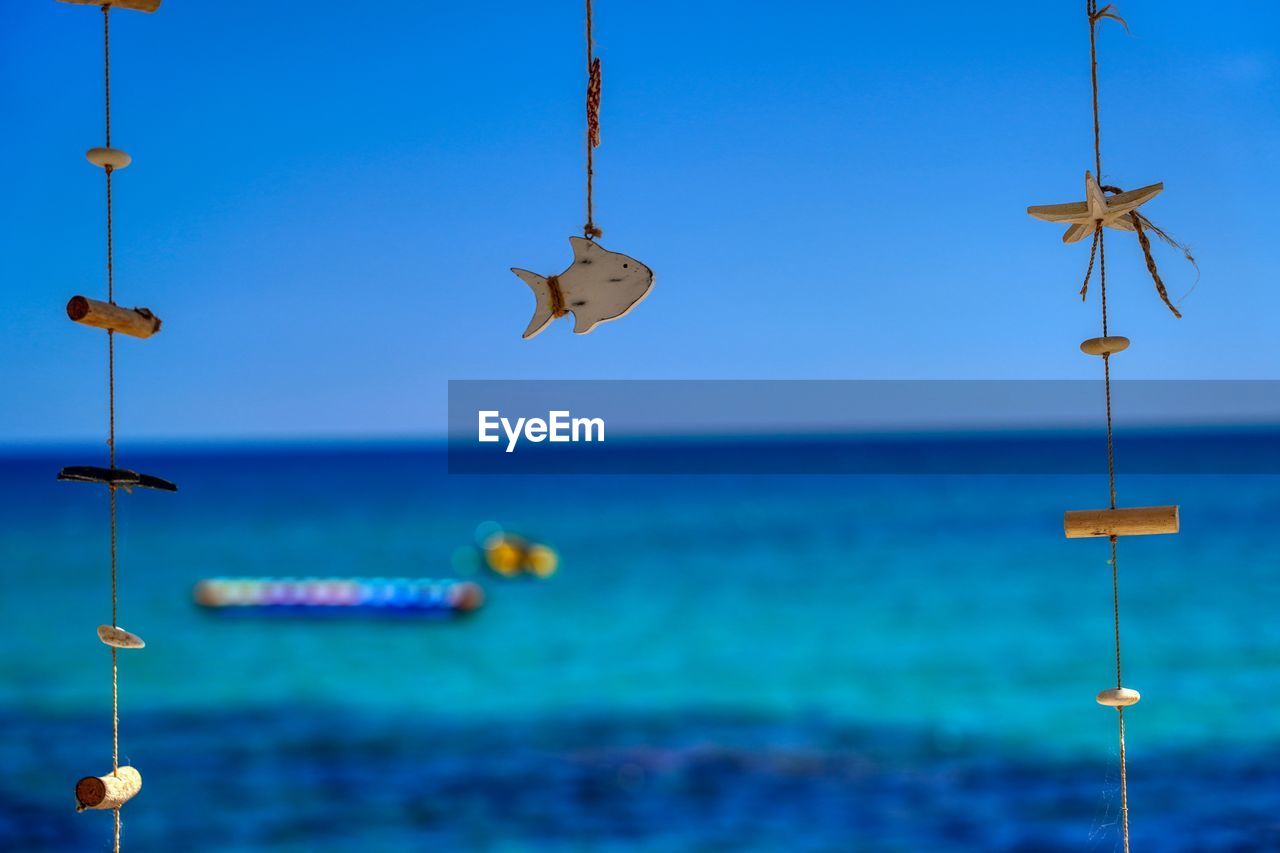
[{"x": 1085, "y": 216}]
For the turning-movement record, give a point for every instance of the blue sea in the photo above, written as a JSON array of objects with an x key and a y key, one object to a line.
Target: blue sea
[{"x": 745, "y": 662}]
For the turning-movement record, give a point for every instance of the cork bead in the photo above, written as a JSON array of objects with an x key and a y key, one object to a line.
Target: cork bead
[
  {"x": 1118, "y": 697},
  {"x": 108, "y": 792},
  {"x": 104, "y": 157}
]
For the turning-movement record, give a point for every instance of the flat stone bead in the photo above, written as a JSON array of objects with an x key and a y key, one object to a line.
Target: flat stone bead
[
  {"x": 104, "y": 157},
  {"x": 1105, "y": 346},
  {"x": 1118, "y": 697},
  {"x": 119, "y": 637}
]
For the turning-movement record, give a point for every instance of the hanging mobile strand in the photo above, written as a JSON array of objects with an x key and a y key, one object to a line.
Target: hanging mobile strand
[
  {"x": 110, "y": 792},
  {"x": 1105, "y": 207},
  {"x": 111, "y": 418},
  {"x": 599, "y": 285},
  {"x": 1100, "y": 237},
  {"x": 590, "y": 231}
]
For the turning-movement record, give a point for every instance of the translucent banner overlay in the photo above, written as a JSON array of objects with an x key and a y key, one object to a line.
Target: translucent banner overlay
[{"x": 861, "y": 427}]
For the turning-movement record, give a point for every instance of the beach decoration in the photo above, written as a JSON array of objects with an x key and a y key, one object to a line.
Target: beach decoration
[
  {"x": 339, "y": 596},
  {"x": 113, "y": 790},
  {"x": 599, "y": 285},
  {"x": 108, "y": 792},
  {"x": 1105, "y": 207},
  {"x": 119, "y": 638},
  {"x": 116, "y": 478}
]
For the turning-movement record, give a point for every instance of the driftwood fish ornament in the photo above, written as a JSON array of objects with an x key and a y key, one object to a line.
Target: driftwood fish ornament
[{"x": 599, "y": 286}]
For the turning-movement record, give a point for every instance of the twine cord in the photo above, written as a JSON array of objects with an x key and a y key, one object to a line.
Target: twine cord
[
  {"x": 557, "y": 296},
  {"x": 111, "y": 417},
  {"x": 1095, "y": 15},
  {"x": 1092, "y": 9},
  {"x": 589, "y": 230},
  {"x": 1088, "y": 273},
  {"x": 1141, "y": 225},
  {"x": 1145, "y": 243}
]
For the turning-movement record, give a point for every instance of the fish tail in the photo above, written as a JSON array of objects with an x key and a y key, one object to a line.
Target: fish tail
[{"x": 544, "y": 310}]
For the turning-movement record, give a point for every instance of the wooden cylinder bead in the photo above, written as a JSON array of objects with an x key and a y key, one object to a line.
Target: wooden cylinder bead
[
  {"x": 104, "y": 157},
  {"x": 1131, "y": 521},
  {"x": 114, "y": 635},
  {"x": 138, "y": 322},
  {"x": 1105, "y": 346},
  {"x": 108, "y": 792},
  {"x": 1118, "y": 697}
]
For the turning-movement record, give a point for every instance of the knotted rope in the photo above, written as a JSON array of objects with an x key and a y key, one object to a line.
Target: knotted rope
[
  {"x": 557, "y": 296},
  {"x": 1099, "y": 244},
  {"x": 111, "y": 416},
  {"x": 590, "y": 231},
  {"x": 1141, "y": 224}
]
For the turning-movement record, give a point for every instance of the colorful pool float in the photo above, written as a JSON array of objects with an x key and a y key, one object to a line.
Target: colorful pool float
[{"x": 424, "y": 596}]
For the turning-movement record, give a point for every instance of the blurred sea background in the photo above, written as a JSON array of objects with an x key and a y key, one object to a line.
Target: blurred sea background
[{"x": 721, "y": 663}]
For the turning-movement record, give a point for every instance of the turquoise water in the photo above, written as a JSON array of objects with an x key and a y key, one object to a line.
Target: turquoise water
[{"x": 769, "y": 662}]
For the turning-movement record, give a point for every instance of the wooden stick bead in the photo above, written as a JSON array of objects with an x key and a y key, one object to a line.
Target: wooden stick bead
[
  {"x": 104, "y": 157},
  {"x": 114, "y": 635},
  {"x": 1130, "y": 521},
  {"x": 108, "y": 792},
  {"x": 138, "y": 322},
  {"x": 1105, "y": 346},
  {"x": 135, "y": 5},
  {"x": 1118, "y": 697}
]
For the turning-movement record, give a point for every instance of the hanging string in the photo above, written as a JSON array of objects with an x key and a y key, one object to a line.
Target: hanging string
[
  {"x": 590, "y": 231},
  {"x": 1140, "y": 225},
  {"x": 557, "y": 296},
  {"x": 1088, "y": 273},
  {"x": 1138, "y": 221},
  {"x": 1095, "y": 15},
  {"x": 111, "y": 417},
  {"x": 1092, "y": 9}
]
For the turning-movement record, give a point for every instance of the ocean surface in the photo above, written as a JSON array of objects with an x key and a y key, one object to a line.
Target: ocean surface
[{"x": 746, "y": 662}]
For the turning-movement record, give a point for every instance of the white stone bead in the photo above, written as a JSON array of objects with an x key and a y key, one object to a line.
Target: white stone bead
[{"x": 1118, "y": 697}]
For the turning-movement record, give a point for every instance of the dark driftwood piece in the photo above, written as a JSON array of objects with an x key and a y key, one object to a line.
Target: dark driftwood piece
[
  {"x": 135, "y": 5},
  {"x": 114, "y": 477},
  {"x": 138, "y": 322}
]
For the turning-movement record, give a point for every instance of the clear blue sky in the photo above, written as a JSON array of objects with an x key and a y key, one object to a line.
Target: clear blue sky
[{"x": 326, "y": 198}]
